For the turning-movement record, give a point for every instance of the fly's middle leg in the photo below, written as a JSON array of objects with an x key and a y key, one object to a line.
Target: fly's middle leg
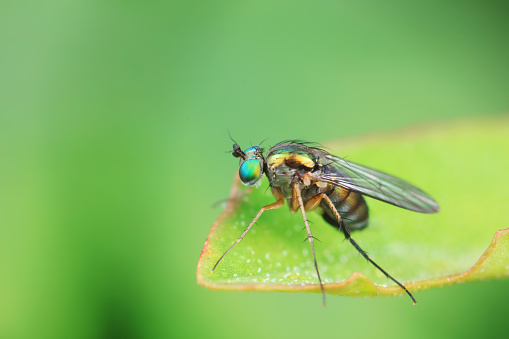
[{"x": 297, "y": 200}]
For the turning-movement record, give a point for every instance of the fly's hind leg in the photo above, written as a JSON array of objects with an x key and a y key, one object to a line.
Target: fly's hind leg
[
  {"x": 315, "y": 201},
  {"x": 280, "y": 202}
]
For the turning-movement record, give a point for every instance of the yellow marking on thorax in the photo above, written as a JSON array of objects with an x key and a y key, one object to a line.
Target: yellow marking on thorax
[
  {"x": 291, "y": 160},
  {"x": 276, "y": 160}
]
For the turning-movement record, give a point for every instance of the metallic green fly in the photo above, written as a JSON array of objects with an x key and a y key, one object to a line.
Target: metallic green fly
[{"x": 308, "y": 177}]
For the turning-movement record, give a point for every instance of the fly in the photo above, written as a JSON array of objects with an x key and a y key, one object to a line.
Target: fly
[{"x": 308, "y": 177}]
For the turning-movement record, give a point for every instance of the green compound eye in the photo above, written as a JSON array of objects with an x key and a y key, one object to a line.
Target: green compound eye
[{"x": 250, "y": 172}]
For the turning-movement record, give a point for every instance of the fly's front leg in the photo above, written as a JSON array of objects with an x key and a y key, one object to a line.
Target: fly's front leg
[
  {"x": 313, "y": 202},
  {"x": 297, "y": 198},
  {"x": 280, "y": 202}
]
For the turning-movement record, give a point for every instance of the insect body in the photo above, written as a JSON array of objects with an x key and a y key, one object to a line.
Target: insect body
[{"x": 308, "y": 177}]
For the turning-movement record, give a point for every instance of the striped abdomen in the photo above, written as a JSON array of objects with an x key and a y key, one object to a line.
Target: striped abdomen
[{"x": 351, "y": 207}]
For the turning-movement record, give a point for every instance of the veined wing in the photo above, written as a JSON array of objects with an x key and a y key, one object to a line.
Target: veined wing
[{"x": 377, "y": 185}]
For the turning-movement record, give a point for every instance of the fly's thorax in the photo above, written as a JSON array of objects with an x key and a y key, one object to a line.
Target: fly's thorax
[
  {"x": 251, "y": 166},
  {"x": 284, "y": 166}
]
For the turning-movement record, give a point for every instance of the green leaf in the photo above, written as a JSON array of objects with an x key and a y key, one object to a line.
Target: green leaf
[{"x": 464, "y": 165}]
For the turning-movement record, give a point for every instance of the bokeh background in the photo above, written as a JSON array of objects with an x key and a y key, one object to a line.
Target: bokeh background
[{"x": 113, "y": 118}]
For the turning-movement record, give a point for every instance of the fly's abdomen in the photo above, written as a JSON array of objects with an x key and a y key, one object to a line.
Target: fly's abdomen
[{"x": 351, "y": 207}]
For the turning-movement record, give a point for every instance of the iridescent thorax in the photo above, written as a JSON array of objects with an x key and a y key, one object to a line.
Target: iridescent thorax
[{"x": 287, "y": 161}]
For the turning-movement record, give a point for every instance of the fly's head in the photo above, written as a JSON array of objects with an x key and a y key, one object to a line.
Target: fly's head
[{"x": 251, "y": 164}]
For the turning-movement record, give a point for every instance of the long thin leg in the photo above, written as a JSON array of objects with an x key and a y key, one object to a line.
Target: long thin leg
[
  {"x": 280, "y": 202},
  {"x": 346, "y": 232},
  {"x": 297, "y": 194}
]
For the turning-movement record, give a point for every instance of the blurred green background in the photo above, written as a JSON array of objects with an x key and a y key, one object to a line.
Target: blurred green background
[{"x": 113, "y": 118}]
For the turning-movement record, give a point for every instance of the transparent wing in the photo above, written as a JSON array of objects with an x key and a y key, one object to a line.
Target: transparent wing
[{"x": 377, "y": 185}]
